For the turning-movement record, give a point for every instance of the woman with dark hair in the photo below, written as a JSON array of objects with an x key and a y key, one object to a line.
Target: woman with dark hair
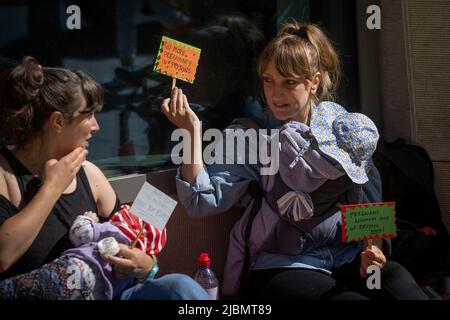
[{"x": 45, "y": 181}]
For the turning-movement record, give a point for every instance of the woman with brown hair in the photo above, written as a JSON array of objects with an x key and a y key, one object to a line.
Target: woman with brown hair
[
  {"x": 48, "y": 117},
  {"x": 273, "y": 256}
]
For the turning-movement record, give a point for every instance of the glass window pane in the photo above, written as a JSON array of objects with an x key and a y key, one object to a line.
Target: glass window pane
[{"x": 117, "y": 44}]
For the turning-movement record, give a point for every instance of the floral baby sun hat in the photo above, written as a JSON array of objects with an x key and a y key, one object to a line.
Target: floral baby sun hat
[{"x": 348, "y": 138}]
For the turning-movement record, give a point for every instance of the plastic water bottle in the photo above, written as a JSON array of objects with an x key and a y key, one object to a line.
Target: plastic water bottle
[{"x": 206, "y": 277}]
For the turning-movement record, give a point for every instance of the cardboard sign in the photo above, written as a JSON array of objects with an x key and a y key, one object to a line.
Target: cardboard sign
[
  {"x": 368, "y": 221},
  {"x": 177, "y": 59},
  {"x": 153, "y": 206}
]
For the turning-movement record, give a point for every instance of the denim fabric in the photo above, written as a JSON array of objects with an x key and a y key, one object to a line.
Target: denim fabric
[{"x": 173, "y": 286}]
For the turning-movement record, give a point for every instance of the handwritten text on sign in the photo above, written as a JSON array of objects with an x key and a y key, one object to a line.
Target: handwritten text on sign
[
  {"x": 153, "y": 206},
  {"x": 368, "y": 221},
  {"x": 177, "y": 59}
]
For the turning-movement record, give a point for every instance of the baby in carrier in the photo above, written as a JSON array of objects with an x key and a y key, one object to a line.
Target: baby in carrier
[{"x": 319, "y": 164}]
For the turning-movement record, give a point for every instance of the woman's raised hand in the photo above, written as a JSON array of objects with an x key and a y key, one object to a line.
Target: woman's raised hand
[
  {"x": 60, "y": 173},
  {"x": 177, "y": 110}
]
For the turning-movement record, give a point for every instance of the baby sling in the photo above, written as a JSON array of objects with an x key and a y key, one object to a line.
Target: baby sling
[{"x": 325, "y": 199}]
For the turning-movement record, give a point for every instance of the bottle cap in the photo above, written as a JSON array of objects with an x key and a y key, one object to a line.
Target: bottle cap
[
  {"x": 204, "y": 260},
  {"x": 108, "y": 246}
]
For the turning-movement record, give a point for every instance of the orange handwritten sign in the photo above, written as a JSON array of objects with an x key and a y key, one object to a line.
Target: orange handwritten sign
[{"x": 177, "y": 59}]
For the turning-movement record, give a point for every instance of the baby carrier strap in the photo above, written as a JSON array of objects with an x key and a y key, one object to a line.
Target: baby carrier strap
[
  {"x": 325, "y": 200},
  {"x": 257, "y": 193},
  {"x": 249, "y": 123}
]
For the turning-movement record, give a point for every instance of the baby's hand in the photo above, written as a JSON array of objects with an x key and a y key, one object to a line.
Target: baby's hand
[{"x": 91, "y": 215}]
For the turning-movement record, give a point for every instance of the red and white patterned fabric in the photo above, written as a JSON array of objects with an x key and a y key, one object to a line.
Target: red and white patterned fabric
[{"x": 151, "y": 240}]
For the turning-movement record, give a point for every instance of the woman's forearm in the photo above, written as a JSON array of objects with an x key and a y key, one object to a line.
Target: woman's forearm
[
  {"x": 194, "y": 164},
  {"x": 18, "y": 232},
  {"x": 177, "y": 110}
]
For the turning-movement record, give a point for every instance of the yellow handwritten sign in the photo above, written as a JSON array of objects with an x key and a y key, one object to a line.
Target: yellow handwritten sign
[{"x": 177, "y": 59}]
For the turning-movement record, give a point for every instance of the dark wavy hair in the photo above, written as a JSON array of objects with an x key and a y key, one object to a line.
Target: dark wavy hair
[{"x": 30, "y": 93}]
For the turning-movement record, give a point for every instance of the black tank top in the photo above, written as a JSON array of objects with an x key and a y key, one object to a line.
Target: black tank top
[{"x": 53, "y": 238}]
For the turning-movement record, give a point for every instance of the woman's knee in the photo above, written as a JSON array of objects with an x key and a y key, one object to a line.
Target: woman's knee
[
  {"x": 186, "y": 287},
  {"x": 177, "y": 281},
  {"x": 400, "y": 283},
  {"x": 394, "y": 273},
  {"x": 394, "y": 269},
  {"x": 174, "y": 286}
]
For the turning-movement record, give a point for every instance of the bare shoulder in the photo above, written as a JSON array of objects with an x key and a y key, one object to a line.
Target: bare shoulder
[
  {"x": 92, "y": 171},
  {"x": 3, "y": 184},
  {"x": 95, "y": 176},
  {"x": 102, "y": 190},
  {"x": 9, "y": 187}
]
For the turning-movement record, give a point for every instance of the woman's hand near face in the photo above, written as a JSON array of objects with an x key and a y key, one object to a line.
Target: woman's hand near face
[
  {"x": 177, "y": 110},
  {"x": 59, "y": 174},
  {"x": 131, "y": 262}
]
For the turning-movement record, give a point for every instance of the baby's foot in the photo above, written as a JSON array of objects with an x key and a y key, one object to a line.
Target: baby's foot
[{"x": 91, "y": 215}]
